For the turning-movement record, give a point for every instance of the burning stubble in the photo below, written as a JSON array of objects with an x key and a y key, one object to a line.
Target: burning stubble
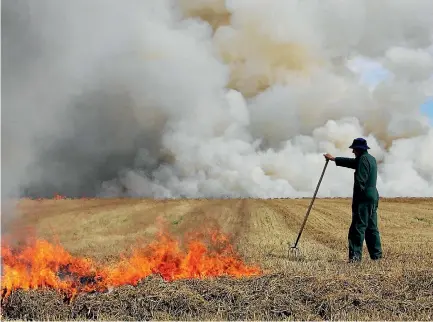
[{"x": 41, "y": 264}]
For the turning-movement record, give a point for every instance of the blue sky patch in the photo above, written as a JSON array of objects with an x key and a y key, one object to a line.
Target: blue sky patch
[{"x": 372, "y": 73}]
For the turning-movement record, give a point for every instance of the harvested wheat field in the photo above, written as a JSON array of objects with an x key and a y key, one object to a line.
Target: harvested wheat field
[{"x": 213, "y": 260}]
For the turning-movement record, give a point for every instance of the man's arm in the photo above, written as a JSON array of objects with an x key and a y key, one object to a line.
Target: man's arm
[
  {"x": 345, "y": 162},
  {"x": 342, "y": 162}
]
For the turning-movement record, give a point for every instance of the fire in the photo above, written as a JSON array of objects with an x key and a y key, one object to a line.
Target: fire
[
  {"x": 42, "y": 264},
  {"x": 58, "y": 196}
]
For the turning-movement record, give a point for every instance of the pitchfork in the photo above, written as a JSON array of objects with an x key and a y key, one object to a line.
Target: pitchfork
[{"x": 294, "y": 247}]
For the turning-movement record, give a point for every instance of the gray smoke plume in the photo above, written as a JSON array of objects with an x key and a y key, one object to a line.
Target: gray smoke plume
[{"x": 211, "y": 98}]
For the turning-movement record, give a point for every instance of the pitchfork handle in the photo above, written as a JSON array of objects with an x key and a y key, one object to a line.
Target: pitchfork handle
[{"x": 311, "y": 204}]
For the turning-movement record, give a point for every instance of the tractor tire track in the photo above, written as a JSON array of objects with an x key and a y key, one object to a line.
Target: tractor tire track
[{"x": 317, "y": 227}]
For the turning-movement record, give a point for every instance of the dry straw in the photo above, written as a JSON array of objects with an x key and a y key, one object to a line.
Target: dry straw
[{"x": 280, "y": 296}]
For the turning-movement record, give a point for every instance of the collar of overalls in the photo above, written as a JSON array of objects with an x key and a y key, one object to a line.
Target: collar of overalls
[{"x": 362, "y": 153}]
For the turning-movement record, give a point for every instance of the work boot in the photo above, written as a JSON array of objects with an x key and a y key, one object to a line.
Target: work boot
[{"x": 355, "y": 259}]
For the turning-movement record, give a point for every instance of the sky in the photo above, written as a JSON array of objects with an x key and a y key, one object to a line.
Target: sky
[
  {"x": 373, "y": 73},
  {"x": 427, "y": 108}
]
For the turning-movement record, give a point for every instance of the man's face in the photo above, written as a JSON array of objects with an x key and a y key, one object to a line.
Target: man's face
[{"x": 356, "y": 152}]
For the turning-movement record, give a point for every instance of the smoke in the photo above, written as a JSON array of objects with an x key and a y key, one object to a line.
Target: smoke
[{"x": 211, "y": 98}]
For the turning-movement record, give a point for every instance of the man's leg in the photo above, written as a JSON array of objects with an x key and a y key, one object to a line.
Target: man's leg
[
  {"x": 372, "y": 235},
  {"x": 357, "y": 231}
]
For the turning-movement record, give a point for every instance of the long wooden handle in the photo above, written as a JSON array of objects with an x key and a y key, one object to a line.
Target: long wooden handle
[{"x": 311, "y": 203}]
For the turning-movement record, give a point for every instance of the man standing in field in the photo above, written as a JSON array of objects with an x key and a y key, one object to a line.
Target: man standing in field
[{"x": 364, "y": 203}]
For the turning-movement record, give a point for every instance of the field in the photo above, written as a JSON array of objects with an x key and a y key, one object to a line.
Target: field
[{"x": 313, "y": 284}]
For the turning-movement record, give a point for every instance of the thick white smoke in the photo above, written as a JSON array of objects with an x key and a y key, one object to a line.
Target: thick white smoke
[{"x": 212, "y": 98}]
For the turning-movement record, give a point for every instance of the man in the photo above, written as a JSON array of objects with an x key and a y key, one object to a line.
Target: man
[{"x": 365, "y": 201}]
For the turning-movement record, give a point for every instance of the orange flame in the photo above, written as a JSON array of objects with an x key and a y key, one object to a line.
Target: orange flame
[
  {"x": 59, "y": 197},
  {"x": 45, "y": 265}
]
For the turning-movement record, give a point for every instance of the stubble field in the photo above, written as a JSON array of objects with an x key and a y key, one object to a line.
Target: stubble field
[{"x": 313, "y": 284}]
